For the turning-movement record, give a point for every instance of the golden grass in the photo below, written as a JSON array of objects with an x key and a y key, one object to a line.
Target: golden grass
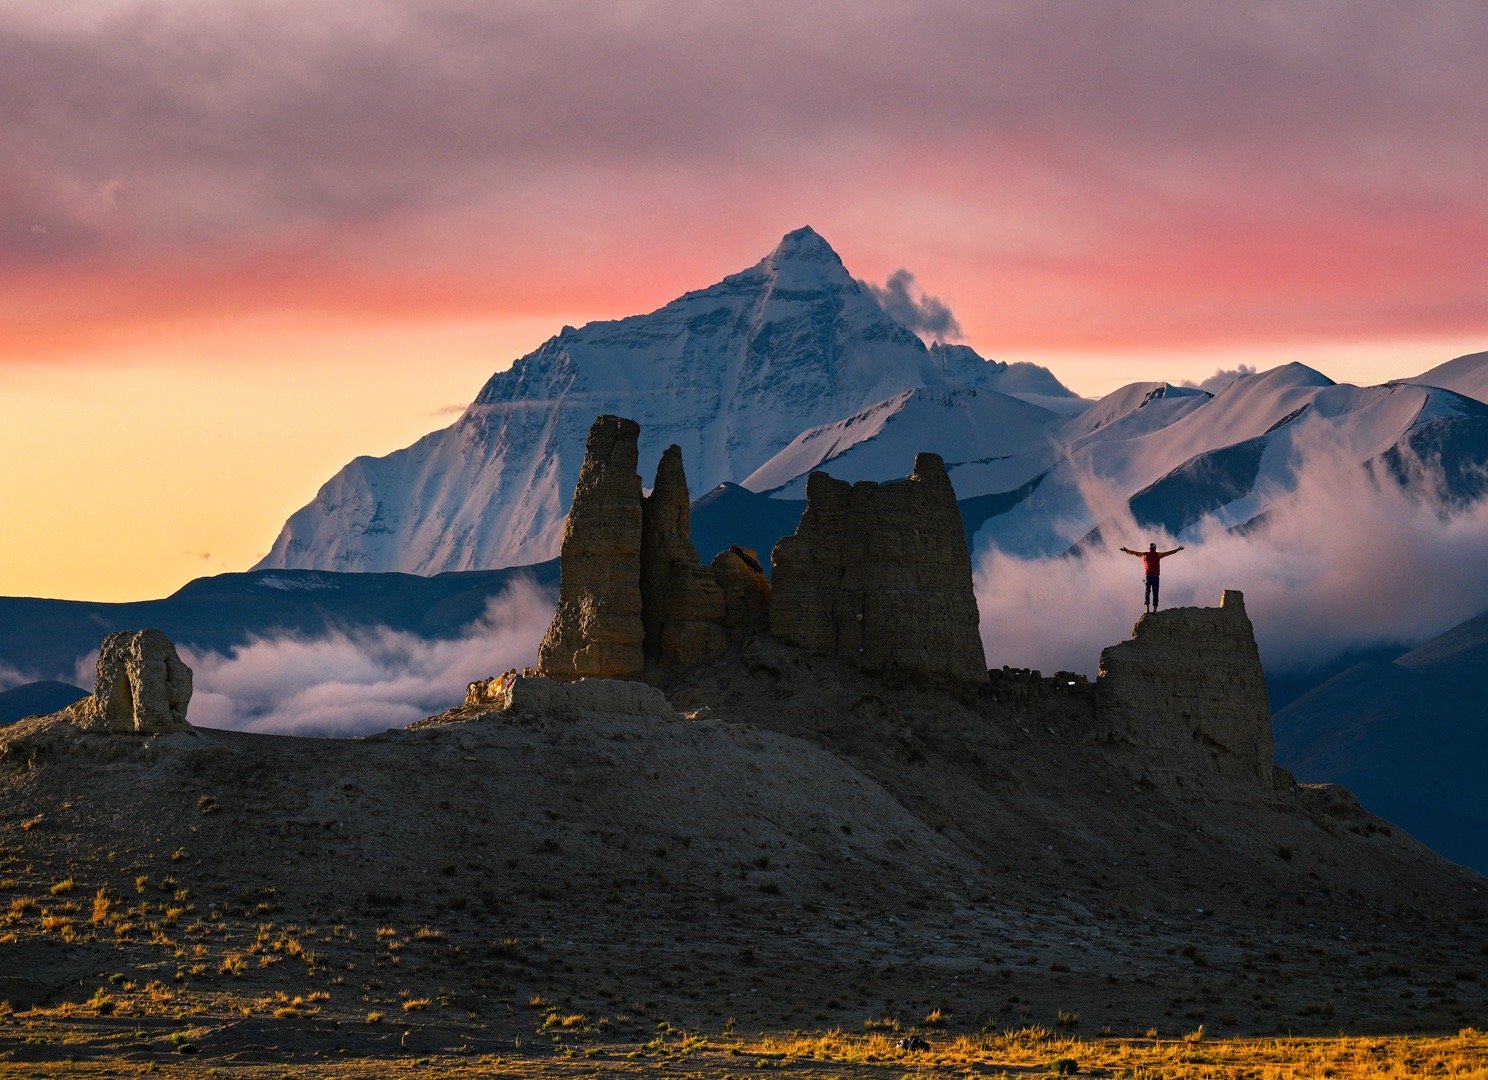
[
  {"x": 1464, "y": 1055},
  {"x": 833, "y": 1054}
]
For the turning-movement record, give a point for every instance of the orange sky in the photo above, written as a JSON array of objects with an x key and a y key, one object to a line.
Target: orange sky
[{"x": 243, "y": 243}]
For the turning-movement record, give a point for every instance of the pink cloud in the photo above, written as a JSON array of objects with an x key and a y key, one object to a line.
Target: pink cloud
[{"x": 1065, "y": 176}]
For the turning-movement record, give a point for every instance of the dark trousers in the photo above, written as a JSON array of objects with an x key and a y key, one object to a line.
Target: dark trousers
[{"x": 1149, "y": 595}]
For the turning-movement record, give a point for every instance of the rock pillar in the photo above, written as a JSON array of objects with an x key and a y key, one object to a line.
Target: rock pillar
[
  {"x": 682, "y": 607},
  {"x": 142, "y": 687},
  {"x": 597, "y": 629}
]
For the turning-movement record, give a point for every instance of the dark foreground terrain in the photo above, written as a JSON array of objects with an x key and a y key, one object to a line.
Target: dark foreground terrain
[{"x": 801, "y": 848}]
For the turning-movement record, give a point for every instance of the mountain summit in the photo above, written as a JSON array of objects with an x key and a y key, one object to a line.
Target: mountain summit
[{"x": 731, "y": 373}]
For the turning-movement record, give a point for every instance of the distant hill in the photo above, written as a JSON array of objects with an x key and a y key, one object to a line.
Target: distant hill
[
  {"x": 37, "y": 698},
  {"x": 1408, "y": 736}
]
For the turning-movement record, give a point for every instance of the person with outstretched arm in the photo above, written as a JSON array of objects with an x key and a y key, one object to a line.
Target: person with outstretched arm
[{"x": 1152, "y": 566}]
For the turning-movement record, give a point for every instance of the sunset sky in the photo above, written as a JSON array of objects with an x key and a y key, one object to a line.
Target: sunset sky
[{"x": 242, "y": 242}]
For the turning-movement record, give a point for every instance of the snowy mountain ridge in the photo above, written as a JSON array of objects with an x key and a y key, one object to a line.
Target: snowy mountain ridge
[
  {"x": 792, "y": 365},
  {"x": 731, "y": 373}
]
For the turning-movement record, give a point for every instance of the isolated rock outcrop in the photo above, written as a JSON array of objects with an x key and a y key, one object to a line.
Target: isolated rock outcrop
[
  {"x": 1188, "y": 687},
  {"x": 682, "y": 607},
  {"x": 143, "y": 687},
  {"x": 879, "y": 575},
  {"x": 597, "y": 629}
]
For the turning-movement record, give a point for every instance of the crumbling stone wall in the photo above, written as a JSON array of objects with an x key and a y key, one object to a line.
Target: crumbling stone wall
[
  {"x": 597, "y": 629},
  {"x": 142, "y": 687},
  {"x": 1189, "y": 690},
  {"x": 879, "y": 575}
]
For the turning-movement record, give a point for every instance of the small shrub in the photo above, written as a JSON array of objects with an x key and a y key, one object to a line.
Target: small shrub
[
  {"x": 416, "y": 1003},
  {"x": 1064, "y": 1066},
  {"x": 66, "y": 885}
]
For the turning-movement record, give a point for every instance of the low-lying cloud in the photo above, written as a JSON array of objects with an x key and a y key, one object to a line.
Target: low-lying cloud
[
  {"x": 1350, "y": 559},
  {"x": 356, "y": 682},
  {"x": 904, "y": 300}
]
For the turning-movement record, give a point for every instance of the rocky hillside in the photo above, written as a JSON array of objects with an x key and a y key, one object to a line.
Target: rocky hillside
[
  {"x": 786, "y": 842},
  {"x": 1407, "y": 735}
]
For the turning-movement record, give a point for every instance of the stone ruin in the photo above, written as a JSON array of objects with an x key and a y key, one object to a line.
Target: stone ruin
[
  {"x": 142, "y": 687},
  {"x": 876, "y": 575},
  {"x": 633, "y": 598},
  {"x": 1194, "y": 673},
  {"x": 879, "y": 575}
]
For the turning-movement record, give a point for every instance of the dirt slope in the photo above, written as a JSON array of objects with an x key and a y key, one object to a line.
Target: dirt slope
[{"x": 803, "y": 846}]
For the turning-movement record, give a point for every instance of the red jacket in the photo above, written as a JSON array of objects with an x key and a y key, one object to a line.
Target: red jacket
[{"x": 1152, "y": 561}]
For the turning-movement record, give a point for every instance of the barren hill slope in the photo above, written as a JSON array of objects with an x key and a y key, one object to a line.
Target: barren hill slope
[{"x": 800, "y": 844}]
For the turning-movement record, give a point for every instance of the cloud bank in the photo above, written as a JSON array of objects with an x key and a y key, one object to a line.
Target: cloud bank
[
  {"x": 1350, "y": 559},
  {"x": 358, "y": 682}
]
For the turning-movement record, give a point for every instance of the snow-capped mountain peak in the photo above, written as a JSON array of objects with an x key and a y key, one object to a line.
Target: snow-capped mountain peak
[{"x": 732, "y": 373}]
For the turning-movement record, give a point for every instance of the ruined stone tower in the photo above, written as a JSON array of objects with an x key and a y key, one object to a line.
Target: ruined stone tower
[
  {"x": 681, "y": 603},
  {"x": 633, "y": 599},
  {"x": 1188, "y": 688},
  {"x": 879, "y": 575}
]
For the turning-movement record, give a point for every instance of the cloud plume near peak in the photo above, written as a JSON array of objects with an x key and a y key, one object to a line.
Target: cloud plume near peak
[
  {"x": 1350, "y": 559},
  {"x": 357, "y": 682},
  {"x": 904, "y": 300},
  {"x": 1221, "y": 378}
]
